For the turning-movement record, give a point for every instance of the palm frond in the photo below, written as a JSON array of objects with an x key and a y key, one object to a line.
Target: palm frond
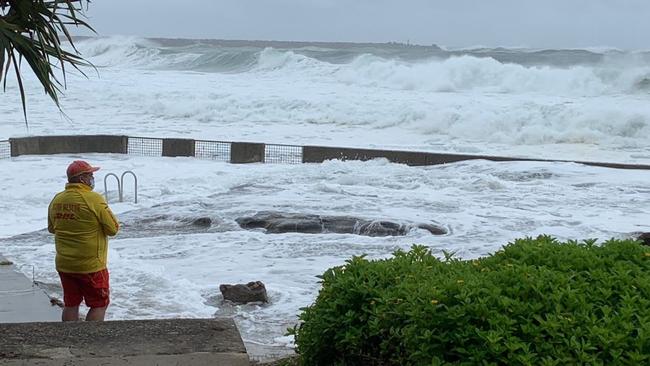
[{"x": 32, "y": 30}]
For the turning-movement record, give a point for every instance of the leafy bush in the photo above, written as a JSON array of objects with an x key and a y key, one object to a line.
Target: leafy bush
[{"x": 535, "y": 302}]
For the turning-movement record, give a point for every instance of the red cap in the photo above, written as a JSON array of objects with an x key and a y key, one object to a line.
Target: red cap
[{"x": 78, "y": 167}]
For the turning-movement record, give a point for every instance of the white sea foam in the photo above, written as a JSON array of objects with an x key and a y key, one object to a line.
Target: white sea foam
[
  {"x": 295, "y": 99},
  {"x": 484, "y": 204},
  {"x": 288, "y": 61}
]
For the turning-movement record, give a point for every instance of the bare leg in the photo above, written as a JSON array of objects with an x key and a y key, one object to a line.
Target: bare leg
[
  {"x": 96, "y": 314},
  {"x": 70, "y": 314}
]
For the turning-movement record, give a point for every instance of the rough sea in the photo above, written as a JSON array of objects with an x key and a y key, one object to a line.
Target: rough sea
[{"x": 588, "y": 104}]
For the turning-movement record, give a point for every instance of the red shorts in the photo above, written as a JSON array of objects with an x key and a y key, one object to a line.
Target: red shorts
[{"x": 91, "y": 287}]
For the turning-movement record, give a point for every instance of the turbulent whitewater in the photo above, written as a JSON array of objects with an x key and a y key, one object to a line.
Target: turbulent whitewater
[{"x": 583, "y": 104}]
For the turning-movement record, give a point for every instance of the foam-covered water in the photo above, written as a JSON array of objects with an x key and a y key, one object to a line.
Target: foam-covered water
[
  {"x": 169, "y": 270},
  {"x": 571, "y": 104}
]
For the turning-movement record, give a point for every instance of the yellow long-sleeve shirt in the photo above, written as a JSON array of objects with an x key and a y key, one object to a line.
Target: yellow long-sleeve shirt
[{"x": 81, "y": 220}]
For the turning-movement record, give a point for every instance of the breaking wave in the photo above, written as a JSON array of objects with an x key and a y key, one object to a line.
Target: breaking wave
[
  {"x": 469, "y": 73},
  {"x": 469, "y": 101},
  {"x": 455, "y": 73}
]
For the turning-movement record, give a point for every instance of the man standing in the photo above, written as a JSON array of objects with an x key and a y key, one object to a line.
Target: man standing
[{"x": 81, "y": 220}]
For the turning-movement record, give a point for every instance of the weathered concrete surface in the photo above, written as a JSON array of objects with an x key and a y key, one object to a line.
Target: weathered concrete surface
[
  {"x": 178, "y": 147},
  {"x": 43, "y": 145},
  {"x": 131, "y": 342},
  {"x": 20, "y": 301},
  {"x": 246, "y": 152}
]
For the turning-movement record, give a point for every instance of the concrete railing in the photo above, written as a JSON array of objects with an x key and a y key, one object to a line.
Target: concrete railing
[{"x": 242, "y": 152}]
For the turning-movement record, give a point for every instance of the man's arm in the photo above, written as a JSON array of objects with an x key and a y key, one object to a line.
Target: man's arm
[
  {"x": 107, "y": 219},
  {"x": 50, "y": 224},
  {"x": 109, "y": 222}
]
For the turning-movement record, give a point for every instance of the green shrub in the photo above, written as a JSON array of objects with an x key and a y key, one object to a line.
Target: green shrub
[{"x": 535, "y": 302}]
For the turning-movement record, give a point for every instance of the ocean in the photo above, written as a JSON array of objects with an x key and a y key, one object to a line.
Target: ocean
[
  {"x": 552, "y": 104},
  {"x": 565, "y": 104}
]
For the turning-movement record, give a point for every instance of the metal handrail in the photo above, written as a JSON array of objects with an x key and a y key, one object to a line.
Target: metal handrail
[
  {"x": 119, "y": 185},
  {"x": 135, "y": 185}
]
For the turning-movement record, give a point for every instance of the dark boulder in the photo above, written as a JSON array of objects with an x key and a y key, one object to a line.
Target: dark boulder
[
  {"x": 278, "y": 222},
  {"x": 340, "y": 224},
  {"x": 243, "y": 294},
  {"x": 382, "y": 228},
  {"x": 294, "y": 226},
  {"x": 644, "y": 238}
]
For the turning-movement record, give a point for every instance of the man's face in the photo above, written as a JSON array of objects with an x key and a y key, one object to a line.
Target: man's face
[{"x": 88, "y": 179}]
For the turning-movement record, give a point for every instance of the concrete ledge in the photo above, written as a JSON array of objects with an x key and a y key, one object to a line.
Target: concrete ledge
[
  {"x": 158, "y": 360},
  {"x": 132, "y": 342},
  {"x": 318, "y": 154},
  {"x": 246, "y": 152},
  {"x": 44, "y": 145}
]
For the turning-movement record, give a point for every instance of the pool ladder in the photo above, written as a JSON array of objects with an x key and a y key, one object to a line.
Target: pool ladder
[{"x": 120, "y": 184}]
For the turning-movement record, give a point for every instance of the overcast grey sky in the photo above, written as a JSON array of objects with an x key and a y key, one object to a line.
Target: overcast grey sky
[{"x": 533, "y": 23}]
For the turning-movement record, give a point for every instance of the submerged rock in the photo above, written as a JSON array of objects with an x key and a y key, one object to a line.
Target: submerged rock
[
  {"x": 242, "y": 294},
  {"x": 643, "y": 84},
  {"x": 278, "y": 223},
  {"x": 433, "y": 229},
  {"x": 144, "y": 223},
  {"x": 202, "y": 222}
]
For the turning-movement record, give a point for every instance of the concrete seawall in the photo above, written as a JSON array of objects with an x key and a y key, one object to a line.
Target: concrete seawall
[{"x": 247, "y": 152}]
